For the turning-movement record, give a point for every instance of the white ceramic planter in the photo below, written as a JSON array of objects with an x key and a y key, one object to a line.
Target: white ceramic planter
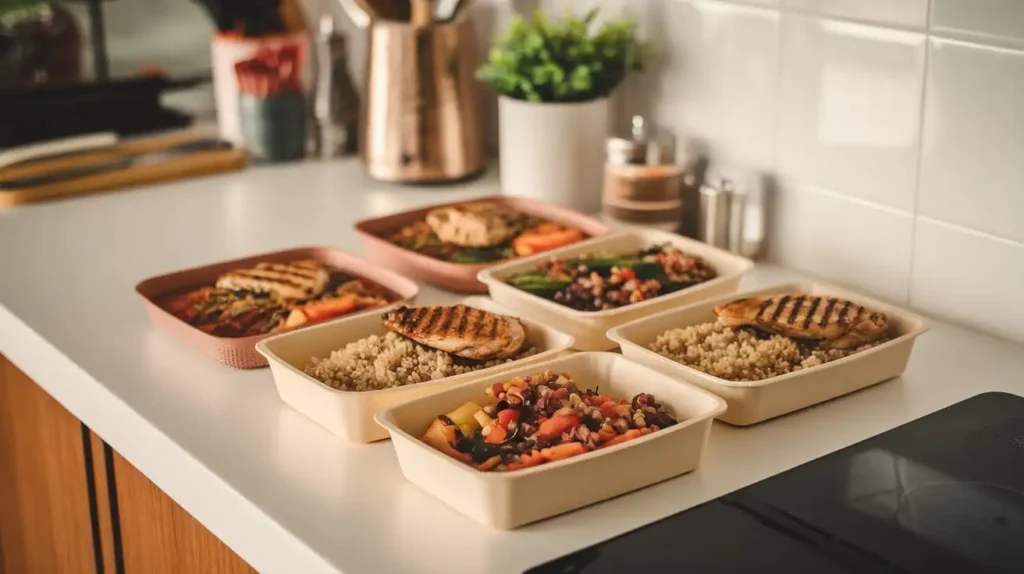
[{"x": 554, "y": 152}]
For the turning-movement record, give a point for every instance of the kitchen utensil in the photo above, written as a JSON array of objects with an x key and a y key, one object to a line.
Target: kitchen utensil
[
  {"x": 349, "y": 414},
  {"x": 751, "y": 402},
  {"x": 176, "y": 166},
  {"x": 590, "y": 328},
  {"x": 447, "y": 10},
  {"x": 511, "y": 499},
  {"x": 421, "y": 118},
  {"x": 336, "y": 102},
  {"x": 460, "y": 277},
  {"x": 397, "y": 10},
  {"x": 56, "y": 148},
  {"x": 422, "y": 12},
  {"x": 120, "y": 163},
  {"x": 240, "y": 352}
]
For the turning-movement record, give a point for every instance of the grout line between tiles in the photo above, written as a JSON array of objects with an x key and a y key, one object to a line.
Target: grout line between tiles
[
  {"x": 824, "y": 15},
  {"x": 970, "y": 231},
  {"x": 922, "y": 116},
  {"x": 975, "y": 39},
  {"x": 802, "y": 186}
]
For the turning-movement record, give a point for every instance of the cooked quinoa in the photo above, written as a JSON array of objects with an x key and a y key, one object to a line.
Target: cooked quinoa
[
  {"x": 741, "y": 354},
  {"x": 382, "y": 362}
]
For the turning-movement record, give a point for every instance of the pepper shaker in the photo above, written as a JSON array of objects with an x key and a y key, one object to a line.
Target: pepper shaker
[{"x": 336, "y": 102}]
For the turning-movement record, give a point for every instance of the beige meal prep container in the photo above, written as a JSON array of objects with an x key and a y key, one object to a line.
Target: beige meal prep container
[
  {"x": 349, "y": 414},
  {"x": 590, "y": 327},
  {"x": 756, "y": 401},
  {"x": 511, "y": 499}
]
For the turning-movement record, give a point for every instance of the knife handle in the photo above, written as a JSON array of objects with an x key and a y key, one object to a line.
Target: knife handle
[{"x": 54, "y": 148}]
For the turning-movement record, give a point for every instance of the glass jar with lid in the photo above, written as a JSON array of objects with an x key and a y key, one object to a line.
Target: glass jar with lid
[{"x": 643, "y": 183}]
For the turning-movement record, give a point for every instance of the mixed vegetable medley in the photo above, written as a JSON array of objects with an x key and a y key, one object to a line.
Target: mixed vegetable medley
[
  {"x": 541, "y": 418},
  {"x": 594, "y": 283},
  {"x": 483, "y": 232}
]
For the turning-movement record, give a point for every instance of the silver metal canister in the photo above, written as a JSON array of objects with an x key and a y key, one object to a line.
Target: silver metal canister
[{"x": 716, "y": 213}]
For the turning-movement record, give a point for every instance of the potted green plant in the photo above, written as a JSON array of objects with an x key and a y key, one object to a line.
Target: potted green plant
[{"x": 554, "y": 80}]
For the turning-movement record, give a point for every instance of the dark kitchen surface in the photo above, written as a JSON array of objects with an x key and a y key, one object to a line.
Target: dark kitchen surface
[{"x": 944, "y": 493}]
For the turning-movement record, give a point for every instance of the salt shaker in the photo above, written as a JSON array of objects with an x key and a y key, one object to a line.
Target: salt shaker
[
  {"x": 642, "y": 183},
  {"x": 723, "y": 218},
  {"x": 336, "y": 102}
]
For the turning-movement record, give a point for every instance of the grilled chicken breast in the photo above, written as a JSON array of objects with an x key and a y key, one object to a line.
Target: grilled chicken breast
[
  {"x": 460, "y": 330},
  {"x": 480, "y": 224},
  {"x": 292, "y": 281},
  {"x": 838, "y": 323}
]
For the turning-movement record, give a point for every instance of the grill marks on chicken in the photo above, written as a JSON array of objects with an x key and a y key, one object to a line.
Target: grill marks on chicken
[
  {"x": 460, "y": 330},
  {"x": 837, "y": 323},
  {"x": 287, "y": 281}
]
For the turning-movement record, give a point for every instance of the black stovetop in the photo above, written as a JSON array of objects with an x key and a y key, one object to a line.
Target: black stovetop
[{"x": 944, "y": 493}]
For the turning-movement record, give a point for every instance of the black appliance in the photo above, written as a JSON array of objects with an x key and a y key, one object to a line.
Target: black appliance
[{"x": 944, "y": 493}]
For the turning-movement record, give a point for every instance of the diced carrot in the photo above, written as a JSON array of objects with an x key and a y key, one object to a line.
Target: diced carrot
[
  {"x": 626, "y": 436},
  {"x": 329, "y": 308},
  {"x": 533, "y": 458},
  {"x": 563, "y": 451},
  {"x": 507, "y": 416},
  {"x": 608, "y": 408},
  {"x": 545, "y": 237},
  {"x": 489, "y": 463},
  {"x": 496, "y": 435},
  {"x": 556, "y": 425},
  {"x": 497, "y": 389}
]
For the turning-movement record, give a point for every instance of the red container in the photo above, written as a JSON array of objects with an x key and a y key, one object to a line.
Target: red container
[
  {"x": 240, "y": 352},
  {"x": 460, "y": 277}
]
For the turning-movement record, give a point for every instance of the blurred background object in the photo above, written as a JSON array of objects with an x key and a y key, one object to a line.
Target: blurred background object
[
  {"x": 243, "y": 29},
  {"x": 272, "y": 105},
  {"x": 40, "y": 44}
]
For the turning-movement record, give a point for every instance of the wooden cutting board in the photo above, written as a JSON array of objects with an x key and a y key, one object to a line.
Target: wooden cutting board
[{"x": 173, "y": 168}]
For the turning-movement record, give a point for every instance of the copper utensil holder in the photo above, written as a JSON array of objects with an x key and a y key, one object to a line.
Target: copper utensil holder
[{"x": 421, "y": 120}]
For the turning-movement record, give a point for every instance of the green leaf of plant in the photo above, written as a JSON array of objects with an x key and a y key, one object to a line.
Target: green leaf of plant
[{"x": 569, "y": 60}]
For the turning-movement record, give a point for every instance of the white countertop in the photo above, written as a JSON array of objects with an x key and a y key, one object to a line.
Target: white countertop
[{"x": 282, "y": 492}]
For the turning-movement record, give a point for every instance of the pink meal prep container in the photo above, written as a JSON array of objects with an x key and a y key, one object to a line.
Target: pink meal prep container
[
  {"x": 459, "y": 277},
  {"x": 240, "y": 352}
]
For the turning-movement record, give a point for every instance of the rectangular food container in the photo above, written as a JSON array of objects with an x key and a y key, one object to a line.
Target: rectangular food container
[
  {"x": 460, "y": 277},
  {"x": 756, "y": 401},
  {"x": 240, "y": 352},
  {"x": 349, "y": 414},
  {"x": 590, "y": 327},
  {"x": 511, "y": 499}
]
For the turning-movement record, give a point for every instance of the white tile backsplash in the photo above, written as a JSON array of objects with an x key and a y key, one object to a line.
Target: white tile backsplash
[
  {"x": 718, "y": 76},
  {"x": 850, "y": 108},
  {"x": 972, "y": 170},
  {"x": 845, "y": 240},
  {"x": 829, "y": 93},
  {"x": 911, "y": 13},
  {"x": 1000, "y": 20},
  {"x": 970, "y": 278}
]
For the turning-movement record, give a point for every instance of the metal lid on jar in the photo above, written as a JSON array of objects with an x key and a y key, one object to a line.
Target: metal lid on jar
[{"x": 643, "y": 146}]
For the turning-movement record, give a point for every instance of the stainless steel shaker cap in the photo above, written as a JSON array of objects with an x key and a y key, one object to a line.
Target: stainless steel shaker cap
[{"x": 643, "y": 146}]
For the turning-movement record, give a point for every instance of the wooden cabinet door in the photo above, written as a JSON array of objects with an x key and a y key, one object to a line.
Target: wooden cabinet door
[
  {"x": 69, "y": 504},
  {"x": 46, "y": 523},
  {"x": 160, "y": 537}
]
